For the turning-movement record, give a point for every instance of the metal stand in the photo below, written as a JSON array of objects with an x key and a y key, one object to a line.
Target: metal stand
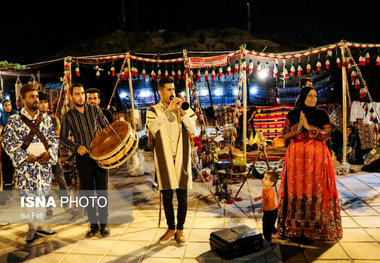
[{"x": 204, "y": 181}]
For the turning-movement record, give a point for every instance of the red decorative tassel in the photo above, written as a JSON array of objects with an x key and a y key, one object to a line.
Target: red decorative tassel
[
  {"x": 319, "y": 65},
  {"x": 199, "y": 75},
  {"x": 299, "y": 70},
  {"x": 367, "y": 57},
  {"x": 153, "y": 75},
  {"x": 159, "y": 74},
  {"x": 143, "y": 73},
  {"x": 220, "y": 72},
  {"x": 179, "y": 74},
  {"x": 308, "y": 68},
  {"x": 378, "y": 61},
  {"x": 339, "y": 62},
  {"x": 357, "y": 84}
]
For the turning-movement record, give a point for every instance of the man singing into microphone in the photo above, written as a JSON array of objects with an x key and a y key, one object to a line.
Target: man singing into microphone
[{"x": 171, "y": 127}]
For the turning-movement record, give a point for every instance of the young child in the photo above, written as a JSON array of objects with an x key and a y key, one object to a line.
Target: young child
[{"x": 268, "y": 198}]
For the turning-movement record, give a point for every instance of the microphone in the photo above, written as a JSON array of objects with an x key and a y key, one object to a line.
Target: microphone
[{"x": 185, "y": 105}]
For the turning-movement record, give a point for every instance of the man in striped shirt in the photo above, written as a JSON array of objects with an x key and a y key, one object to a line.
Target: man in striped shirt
[{"x": 85, "y": 121}]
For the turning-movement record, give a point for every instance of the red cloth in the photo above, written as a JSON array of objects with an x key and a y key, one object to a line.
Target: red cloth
[{"x": 308, "y": 198}]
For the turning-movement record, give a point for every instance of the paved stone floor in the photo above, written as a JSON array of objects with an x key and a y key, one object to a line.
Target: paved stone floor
[{"x": 137, "y": 241}]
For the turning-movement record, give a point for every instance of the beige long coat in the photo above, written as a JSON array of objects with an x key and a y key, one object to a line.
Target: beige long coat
[{"x": 171, "y": 138}]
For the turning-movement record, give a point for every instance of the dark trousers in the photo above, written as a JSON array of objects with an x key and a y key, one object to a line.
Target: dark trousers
[
  {"x": 167, "y": 199},
  {"x": 92, "y": 177},
  {"x": 269, "y": 220},
  {"x": 8, "y": 169}
]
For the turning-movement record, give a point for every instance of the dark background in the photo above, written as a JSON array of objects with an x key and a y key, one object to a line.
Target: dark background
[{"x": 32, "y": 31}]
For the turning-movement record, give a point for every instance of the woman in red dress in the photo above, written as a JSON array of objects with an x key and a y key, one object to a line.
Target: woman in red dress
[{"x": 308, "y": 198}]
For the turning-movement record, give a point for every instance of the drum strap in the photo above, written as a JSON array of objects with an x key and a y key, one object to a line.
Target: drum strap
[{"x": 34, "y": 130}]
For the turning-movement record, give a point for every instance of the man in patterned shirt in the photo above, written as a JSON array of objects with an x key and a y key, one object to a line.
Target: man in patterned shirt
[{"x": 32, "y": 144}]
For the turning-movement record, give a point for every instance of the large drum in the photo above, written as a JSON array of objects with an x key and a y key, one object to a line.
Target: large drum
[{"x": 114, "y": 145}]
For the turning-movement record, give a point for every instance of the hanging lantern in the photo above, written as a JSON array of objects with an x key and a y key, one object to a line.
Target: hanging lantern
[
  {"x": 328, "y": 56},
  {"x": 179, "y": 74},
  {"x": 250, "y": 67},
  {"x": 357, "y": 83},
  {"x": 319, "y": 65},
  {"x": 299, "y": 69},
  {"x": 285, "y": 72},
  {"x": 206, "y": 74},
  {"x": 213, "y": 74},
  {"x": 135, "y": 72},
  {"x": 244, "y": 64},
  {"x": 349, "y": 67},
  {"x": 173, "y": 74},
  {"x": 259, "y": 68},
  {"x": 113, "y": 69},
  {"x": 143, "y": 73},
  {"x": 236, "y": 67},
  {"x": 267, "y": 67},
  {"x": 292, "y": 69},
  {"x": 220, "y": 72},
  {"x": 308, "y": 66},
  {"x": 339, "y": 62},
  {"x": 353, "y": 76},
  {"x": 367, "y": 57},
  {"x": 166, "y": 73},
  {"x": 228, "y": 69},
  {"x": 361, "y": 59},
  {"x": 378, "y": 60},
  {"x": 199, "y": 74},
  {"x": 97, "y": 71},
  {"x": 153, "y": 75},
  {"x": 159, "y": 73},
  {"x": 275, "y": 70},
  {"x": 77, "y": 69}
]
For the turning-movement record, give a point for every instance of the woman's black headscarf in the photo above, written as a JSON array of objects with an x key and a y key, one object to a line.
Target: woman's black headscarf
[{"x": 314, "y": 115}]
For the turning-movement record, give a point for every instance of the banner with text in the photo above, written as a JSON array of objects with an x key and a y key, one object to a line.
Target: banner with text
[{"x": 199, "y": 62}]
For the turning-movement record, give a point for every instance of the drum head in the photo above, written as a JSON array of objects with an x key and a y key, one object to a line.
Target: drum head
[{"x": 107, "y": 141}]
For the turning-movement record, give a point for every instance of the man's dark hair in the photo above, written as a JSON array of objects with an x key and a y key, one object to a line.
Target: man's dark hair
[
  {"x": 303, "y": 81},
  {"x": 163, "y": 81},
  {"x": 273, "y": 176},
  {"x": 353, "y": 130},
  {"x": 43, "y": 96},
  {"x": 26, "y": 88},
  {"x": 93, "y": 90},
  {"x": 72, "y": 86},
  {"x": 252, "y": 109}
]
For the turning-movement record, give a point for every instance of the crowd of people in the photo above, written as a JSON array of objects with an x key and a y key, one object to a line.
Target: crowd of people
[{"x": 308, "y": 204}]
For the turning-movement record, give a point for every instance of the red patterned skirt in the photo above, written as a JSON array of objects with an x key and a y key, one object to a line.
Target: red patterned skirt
[{"x": 308, "y": 202}]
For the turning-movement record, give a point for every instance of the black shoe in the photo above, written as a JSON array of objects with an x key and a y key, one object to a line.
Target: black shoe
[
  {"x": 94, "y": 228},
  {"x": 105, "y": 230}
]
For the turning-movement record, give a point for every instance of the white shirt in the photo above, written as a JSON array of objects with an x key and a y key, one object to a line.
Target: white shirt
[{"x": 35, "y": 148}]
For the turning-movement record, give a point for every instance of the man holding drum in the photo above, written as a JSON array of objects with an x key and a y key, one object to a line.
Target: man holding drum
[
  {"x": 171, "y": 126},
  {"x": 85, "y": 121}
]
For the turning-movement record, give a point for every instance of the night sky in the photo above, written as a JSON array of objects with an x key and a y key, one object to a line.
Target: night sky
[{"x": 35, "y": 30}]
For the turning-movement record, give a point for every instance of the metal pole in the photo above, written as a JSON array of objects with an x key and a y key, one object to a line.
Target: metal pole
[
  {"x": 188, "y": 80},
  {"x": 243, "y": 72},
  {"x": 344, "y": 106}
]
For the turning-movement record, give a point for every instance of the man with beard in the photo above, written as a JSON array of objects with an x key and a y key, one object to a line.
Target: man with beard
[
  {"x": 93, "y": 97},
  {"x": 85, "y": 121},
  {"x": 32, "y": 144}
]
